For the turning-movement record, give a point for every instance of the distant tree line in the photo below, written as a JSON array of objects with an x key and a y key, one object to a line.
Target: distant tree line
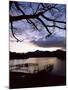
[{"x": 37, "y": 54}]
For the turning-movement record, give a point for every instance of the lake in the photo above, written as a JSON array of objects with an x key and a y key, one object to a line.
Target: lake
[{"x": 34, "y": 64}]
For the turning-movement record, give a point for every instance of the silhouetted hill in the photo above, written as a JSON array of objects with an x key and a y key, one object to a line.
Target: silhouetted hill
[{"x": 59, "y": 53}]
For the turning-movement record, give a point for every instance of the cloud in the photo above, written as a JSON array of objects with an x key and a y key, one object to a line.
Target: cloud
[{"x": 51, "y": 42}]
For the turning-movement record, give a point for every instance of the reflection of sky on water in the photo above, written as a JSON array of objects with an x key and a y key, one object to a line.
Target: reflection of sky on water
[{"x": 59, "y": 65}]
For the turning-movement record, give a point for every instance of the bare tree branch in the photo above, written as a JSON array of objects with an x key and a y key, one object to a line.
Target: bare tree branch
[
  {"x": 16, "y": 18},
  {"x": 64, "y": 28},
  {"x": 17, "y": 6},
  {"x": 52, "y": 19},
  {"x": 44, "y": 25},
  {"x": 35, "y": 15},
  {"x": 14, "y": 34},
  {"x": 31, "y": 22}
]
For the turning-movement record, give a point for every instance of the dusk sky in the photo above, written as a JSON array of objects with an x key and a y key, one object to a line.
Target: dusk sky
[{"x": 36, "y": 40}]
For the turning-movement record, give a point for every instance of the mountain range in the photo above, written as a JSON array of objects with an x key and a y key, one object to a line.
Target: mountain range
[{"x": 37, "y": 54}]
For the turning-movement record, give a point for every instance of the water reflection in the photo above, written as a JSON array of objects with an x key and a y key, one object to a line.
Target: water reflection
[{"x": 32, "y": 65}]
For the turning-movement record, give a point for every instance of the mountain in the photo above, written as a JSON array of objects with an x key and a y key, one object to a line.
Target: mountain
[{"x": 58, "y": 53}]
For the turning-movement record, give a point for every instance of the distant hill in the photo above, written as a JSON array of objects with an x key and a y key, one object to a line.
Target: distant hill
[{"x": 58, "y": 53}]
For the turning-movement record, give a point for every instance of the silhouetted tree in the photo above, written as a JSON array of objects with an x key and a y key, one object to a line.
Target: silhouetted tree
[{"x": 37, "y": 16}]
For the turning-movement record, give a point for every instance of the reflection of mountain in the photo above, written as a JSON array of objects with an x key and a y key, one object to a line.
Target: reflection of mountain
[{"x": 59, "y": 53}]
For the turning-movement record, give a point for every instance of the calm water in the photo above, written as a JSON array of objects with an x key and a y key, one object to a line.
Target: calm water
[{"x": 39, "y": 63}]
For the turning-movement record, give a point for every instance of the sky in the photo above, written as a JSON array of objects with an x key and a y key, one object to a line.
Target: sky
[{"x": 33, "y": 40}]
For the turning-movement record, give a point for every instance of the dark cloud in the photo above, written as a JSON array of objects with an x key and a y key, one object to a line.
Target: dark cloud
[{"x": 51, "y": 42}]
